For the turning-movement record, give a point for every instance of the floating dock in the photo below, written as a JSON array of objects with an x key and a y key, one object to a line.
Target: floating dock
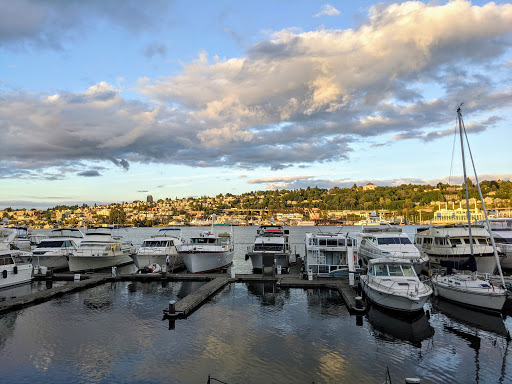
[{"x": 194, "y": 300}]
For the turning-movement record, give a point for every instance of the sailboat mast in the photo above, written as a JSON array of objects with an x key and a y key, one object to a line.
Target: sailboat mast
[{"x": 468, "y": 213}]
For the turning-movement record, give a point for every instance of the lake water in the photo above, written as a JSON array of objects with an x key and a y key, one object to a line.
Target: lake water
[{"x": 247, "y": 333}]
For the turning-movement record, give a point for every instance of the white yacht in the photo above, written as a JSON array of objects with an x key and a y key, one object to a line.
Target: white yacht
[
  {"x": 98, "y": 250},
  {"x": 208, "y": 252},
  {"x": 157, "y": 248},
  {"x": 54, "y": 251},
  {"x": 388, "y": 241},
  {"x": 270, "y": 240},
  {"x": 451, "y": 243},
  {"x": 13, "y": 270},
  {"x": 501, "y": 228},
  {"x": 393, "y": 284},
  {"x": 331, "y": 254}
]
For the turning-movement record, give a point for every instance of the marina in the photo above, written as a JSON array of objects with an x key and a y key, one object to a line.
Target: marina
[{"x": 181, "y": 301}]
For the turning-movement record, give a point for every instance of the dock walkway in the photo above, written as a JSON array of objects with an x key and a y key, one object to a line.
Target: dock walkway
[{"x": 194, "y": 300}]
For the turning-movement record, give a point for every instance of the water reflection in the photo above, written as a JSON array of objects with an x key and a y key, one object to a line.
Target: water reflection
[
  {"x": 468, "y": 317},
  {"x": 267, "y": 292},
  {"x": 390, "y": 327}
]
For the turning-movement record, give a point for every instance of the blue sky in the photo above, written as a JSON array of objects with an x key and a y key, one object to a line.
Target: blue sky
[{"x": 109, "y": 101}]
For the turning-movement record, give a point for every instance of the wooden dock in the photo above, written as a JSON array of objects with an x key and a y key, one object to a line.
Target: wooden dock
[
  {"x": 49, "y": 294},
  {"x": 195, "y": 299}
]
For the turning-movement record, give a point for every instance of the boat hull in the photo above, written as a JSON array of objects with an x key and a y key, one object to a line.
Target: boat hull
[
  {"x": 199, "y": 262},
  {"x": 141, "y": 261},
  {"x": 485, "y": 263},
  {"x": 23, "y": 274},
  {"x": 92, "y": 263},
  {"x": 49, "y": 261},
  {"x": 486, "y": 301},
  {"x": 400, "y": 303},
  {"x": 282, "y": 259}
]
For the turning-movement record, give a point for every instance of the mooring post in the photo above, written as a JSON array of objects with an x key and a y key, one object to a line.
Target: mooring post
[
  {"x": 172, "y": 307},
  {"x": 359, "y": 302}
]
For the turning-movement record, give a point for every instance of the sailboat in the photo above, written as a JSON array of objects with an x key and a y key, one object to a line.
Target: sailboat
[{"x": 470, "y": 290}]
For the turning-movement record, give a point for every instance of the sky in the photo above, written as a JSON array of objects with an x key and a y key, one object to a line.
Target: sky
[{"x": 110, "y": 101}]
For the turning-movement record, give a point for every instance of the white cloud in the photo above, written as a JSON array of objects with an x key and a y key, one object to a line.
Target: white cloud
[{"x": 327, "y": 10}]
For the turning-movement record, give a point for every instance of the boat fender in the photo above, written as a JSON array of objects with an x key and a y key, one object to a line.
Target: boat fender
[
  {"x": 4, "y": 273},
  {"x": 246, "y": 256},
  {"x": 436, "y": 292},
  {"x": 15, "y": 269}
]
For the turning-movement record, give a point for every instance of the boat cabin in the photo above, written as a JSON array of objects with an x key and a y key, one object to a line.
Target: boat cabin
[{"x": 391, "y": 269}]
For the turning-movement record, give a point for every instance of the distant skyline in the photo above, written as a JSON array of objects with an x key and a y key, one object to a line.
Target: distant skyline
[{"x": 111, "y": 101}]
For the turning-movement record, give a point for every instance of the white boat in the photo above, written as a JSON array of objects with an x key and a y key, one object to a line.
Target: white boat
[
  {"x": 373, "y": 220},
  {"x": 208, "y": 252},
  {"x": 270, "y": 240},
  {"x": 13, "y": 270},
  {"x": 54, "y": 250},
  {"x": 331, "y": 254},
  {"x": 464, "y": 289},
  {"x": 98, "y": 250},
  {"x": 469, "y": 290},
  {"x": 501, "y": 228},
  {"x": 22, "y": 241},
  {"x": 388, "y": 241},
  {"x": 393, "y": 284},
  {"x": 452, "y": 243},
  {"x": 156, "y": 249}
]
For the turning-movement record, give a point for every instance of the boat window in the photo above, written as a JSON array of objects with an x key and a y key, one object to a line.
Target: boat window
[
  {"x": 395, "y": 270},
  {"x": 6, "y": 261},
  {"x": 408, "y": 270},
  {"x": 51, "y": 244},
  {"x": 370, "y": 271},
  {"x": 341, "y": 242},
  {"x": 485, "y": 285},
  {"x": 332, "y": 243},
  {"x": 381, "y": 270},
  {"x": 323, "y": 242},
  {"x": 427, "y": 240},
  {"x": 455, "y": 241},
  {"x": 440, "y": 241}
]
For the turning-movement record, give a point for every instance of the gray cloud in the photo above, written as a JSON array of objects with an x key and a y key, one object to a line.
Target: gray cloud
[
  {"x": 154, "y": 49},
  {"x": 47, "y": 24},
  {"x": 90, "y": 173}
]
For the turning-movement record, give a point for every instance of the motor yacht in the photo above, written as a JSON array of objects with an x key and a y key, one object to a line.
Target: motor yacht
[
  {"x": 501, "y": 229},
  {"x": 208, "y": 252},
  {"x": 156, "y": 249},
  {"x": 388, "y": 241},
  {"x": 98, "y": 250},
  {"x": 13, "y": 270},
  {"x": 54, "y": 251},
  {"x": 393, "y": 284},
  {"x": 452, "y": 243},
  {"x": 270, "y": 240}
]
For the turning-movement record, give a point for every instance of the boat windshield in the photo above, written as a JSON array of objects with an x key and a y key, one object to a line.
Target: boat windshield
[
  {"x": 394, "y": 270},
  {"x": 393, "y": 240}
]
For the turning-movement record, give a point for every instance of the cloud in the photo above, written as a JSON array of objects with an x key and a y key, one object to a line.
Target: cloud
[
  {"x": 49, "y": 24},
  {"x": 295, "y": 98},
  {"x": 155, "y": 48},
  {"x": 327, "y": 10},
  {"x": 143, "y": 191},
  {"x": 90, "y": 173}
]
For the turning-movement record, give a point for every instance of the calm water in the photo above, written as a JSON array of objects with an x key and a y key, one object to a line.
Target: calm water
[{"x": 248, "y": 333}]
